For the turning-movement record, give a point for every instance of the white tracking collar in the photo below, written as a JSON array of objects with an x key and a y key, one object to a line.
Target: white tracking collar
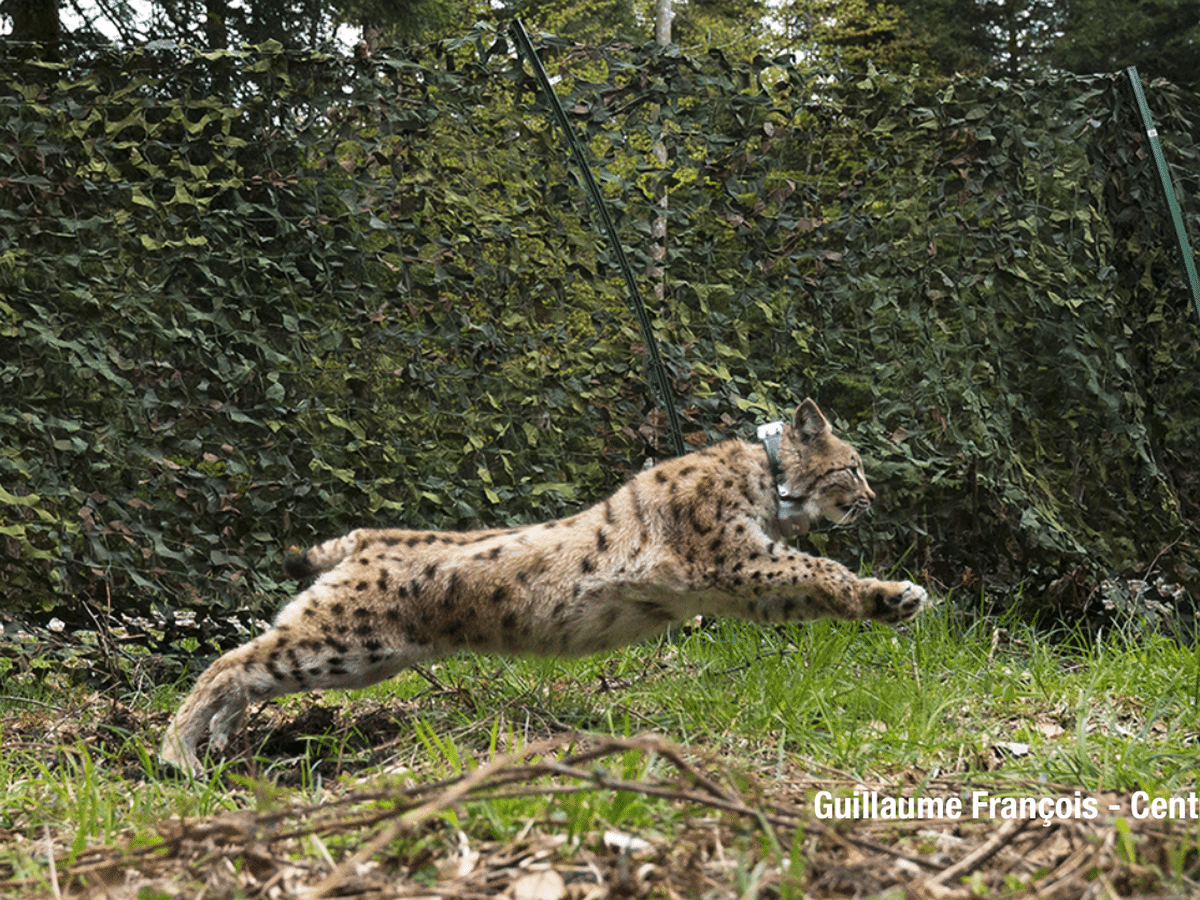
[{"x": 771, "y": 435}]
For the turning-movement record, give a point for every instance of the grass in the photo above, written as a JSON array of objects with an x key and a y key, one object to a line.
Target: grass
[{"x": 950, "y": 697}]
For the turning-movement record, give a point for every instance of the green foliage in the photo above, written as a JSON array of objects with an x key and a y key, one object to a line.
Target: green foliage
[{"x": 254, "y": 299}]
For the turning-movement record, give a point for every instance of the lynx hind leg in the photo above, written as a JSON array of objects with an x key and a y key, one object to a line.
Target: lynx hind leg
[
  {"x": 269, "y": 666},
  {"x": 281, "y": 661},
  {"x": 215, "y": 708},
  {"x": 892, "y": 602}
]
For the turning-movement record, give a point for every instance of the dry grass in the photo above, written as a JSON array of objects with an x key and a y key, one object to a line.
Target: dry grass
[
  {"x": 735, "y": 836},
  {"x": 502, "y": 779}
]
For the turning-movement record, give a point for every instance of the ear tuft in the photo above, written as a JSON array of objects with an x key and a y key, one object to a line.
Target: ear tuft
[{"x": 810, "y": 422}]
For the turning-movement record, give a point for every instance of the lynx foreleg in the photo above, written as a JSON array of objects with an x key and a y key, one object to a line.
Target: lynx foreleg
[
  {"x": 781, "y": 584},
  {"x": 891, "y": 601}
]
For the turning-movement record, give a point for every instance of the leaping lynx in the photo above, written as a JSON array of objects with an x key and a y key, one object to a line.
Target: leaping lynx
[{"x": 702, "y": 534}]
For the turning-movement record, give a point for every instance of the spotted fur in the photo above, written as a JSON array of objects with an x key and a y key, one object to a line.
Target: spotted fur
[{"x": 701, "y": 534}]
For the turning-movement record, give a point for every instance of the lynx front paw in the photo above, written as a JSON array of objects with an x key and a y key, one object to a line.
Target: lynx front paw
[{"x": 895, "y": 601}]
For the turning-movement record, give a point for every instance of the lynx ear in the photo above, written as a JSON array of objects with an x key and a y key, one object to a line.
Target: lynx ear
[{"x": 810, "y": 422}]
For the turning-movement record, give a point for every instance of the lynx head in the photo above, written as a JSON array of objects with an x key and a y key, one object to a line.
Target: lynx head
[{"x": 820, "y": 475}]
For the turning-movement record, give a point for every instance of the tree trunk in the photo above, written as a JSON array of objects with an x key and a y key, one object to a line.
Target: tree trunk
[
  {"x": 657, "y": 269},
  {"x": 662, "y": 22},
  {"x": 35, "y": 22}
]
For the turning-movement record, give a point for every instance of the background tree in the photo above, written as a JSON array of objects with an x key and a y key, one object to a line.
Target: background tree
[
  {"x": 1014, "y": 38},
  {"x": 737, "y": 27},
  {"x": 1160, "y": 37},
  {"x": 591, "y": 22},
  {"x": 34, "y": 22},
  {"x": 846, "y": 35},
  {"x": 218, "y": 24},
  {"x": 950, "y": 37},
  {"x": 1016, "y": 34},
  {"x": 384, "y": 23}
]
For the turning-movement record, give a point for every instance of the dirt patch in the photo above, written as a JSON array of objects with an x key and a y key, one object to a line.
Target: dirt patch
[{"x": 739, "y": 837}]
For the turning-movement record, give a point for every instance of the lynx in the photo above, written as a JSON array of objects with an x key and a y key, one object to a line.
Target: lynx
[{"x": 699, "y": 535}]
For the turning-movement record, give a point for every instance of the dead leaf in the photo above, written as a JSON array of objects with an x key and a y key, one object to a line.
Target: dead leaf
[{"x": 544, "y": 885}]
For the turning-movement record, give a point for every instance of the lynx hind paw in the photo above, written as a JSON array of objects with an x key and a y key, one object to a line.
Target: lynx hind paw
[{"x": 897, "y": 601}]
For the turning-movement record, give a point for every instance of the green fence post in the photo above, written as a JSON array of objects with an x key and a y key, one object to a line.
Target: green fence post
[
  {"x": 657, "y": 375},
  {"x": 1185, "y": 247}
]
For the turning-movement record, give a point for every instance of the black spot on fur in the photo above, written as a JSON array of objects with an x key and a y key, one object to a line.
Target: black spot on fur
[
  {"x": 499, "y": 594},
  {"x": 587, "y": 565},
  {"x": 338, "y": 610},
  {"x": 360, "y": 587},
  {"x": 636, "y": 500},
  {"x": 601, "y": 540},
  {"x": 297, "y": 567}
]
